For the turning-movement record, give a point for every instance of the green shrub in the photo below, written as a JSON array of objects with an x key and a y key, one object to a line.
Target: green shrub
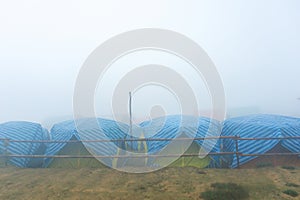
[
  {"x": 264, "y": 164},
  {"x": 225, "y": 191},
  {"x": 288, "y": 167},
  {"x": 292, "y": 185},
  {"x": 291, "y": 193}
]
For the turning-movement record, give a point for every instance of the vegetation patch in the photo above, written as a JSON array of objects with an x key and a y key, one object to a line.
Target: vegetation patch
[
  {"x": 288, "y": 167},
  {"x": 292, "y": 185},
  {"x": 264, "y": 164},
  {"x": 225, "y": 191},
  {"x": 291, "y": 193}
]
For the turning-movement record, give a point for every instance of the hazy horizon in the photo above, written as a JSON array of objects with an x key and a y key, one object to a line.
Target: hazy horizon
[{"x": 255, "y": 46}]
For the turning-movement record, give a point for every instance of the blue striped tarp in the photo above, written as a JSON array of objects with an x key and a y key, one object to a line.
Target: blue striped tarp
[
  {"x": 258, "y": 126},
  {"x": 176, "y": 126},
  {"x": 90, "y": 130},
  {"x": 169, "y": 127},
  {"x": 23, "y": 131},
  {"x": 290, "y": 127}
]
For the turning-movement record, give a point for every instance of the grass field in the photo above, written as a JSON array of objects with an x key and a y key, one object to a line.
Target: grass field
[{"x": 169, "y": 183}]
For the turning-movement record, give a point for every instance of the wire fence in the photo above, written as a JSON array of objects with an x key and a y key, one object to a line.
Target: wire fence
[{"x": 6, "y": 142}]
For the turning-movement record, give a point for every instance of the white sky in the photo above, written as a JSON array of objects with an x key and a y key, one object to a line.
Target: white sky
[{"x": 254, "y": 44}]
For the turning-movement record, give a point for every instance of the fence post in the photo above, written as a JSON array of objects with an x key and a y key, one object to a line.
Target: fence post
[
  {"x": 6, "y": 144},
  {"x": 237, "y": 150}
]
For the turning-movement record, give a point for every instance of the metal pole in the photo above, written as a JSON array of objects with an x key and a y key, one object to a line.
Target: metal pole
[
  {"x": 130, "y": 116},
  {"x": 130, "y": 111},
  {"x": 237, "y": 151},
  {"x": 6, "y": 144}
]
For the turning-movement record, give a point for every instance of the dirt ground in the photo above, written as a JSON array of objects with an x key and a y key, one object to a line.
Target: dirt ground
[{"x": 169, "y": 183}]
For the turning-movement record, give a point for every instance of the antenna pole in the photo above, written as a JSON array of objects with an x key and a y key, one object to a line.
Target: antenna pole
[
  {"x": 130, "y": 111},
  {"x": 130, "y": 116}
]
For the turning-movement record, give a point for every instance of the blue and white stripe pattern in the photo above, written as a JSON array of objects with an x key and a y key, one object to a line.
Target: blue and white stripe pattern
[
  {"x": 290, "y": 127},
  {"x": 175, "y": 126},
  {"x": 60, "y": 132},
  {"x": 90, "y": 130},
  {"x": 22, "y": 131},
  {"x": 172, "y": 127},
  {"x": 258, "y": 126}
]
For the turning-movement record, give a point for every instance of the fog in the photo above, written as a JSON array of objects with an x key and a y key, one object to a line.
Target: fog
[{"x": 254, "y": 44}]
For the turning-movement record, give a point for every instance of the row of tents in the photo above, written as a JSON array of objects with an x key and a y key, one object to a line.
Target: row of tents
[{"x": 154, "y": 137}]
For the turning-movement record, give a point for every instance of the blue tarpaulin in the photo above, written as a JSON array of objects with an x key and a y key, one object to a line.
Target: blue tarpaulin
[
  {"x": 168, "y": 127},
  {"x": 90, "y": 130},
  {"x": 259, "y": 126},
  {"x": 176, "y": 126},
  {"x": 26, "y": 131}
]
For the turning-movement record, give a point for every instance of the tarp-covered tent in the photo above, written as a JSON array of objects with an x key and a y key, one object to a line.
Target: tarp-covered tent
[
  {"x": 259, "y": 126},
  {"x": 23, "y": 131},
  {"x": 89, "y": 131},
  {"x": 173, "y": 126},
  {"x": 178, "y": 126},
  {"x": 290, "y": 127}
]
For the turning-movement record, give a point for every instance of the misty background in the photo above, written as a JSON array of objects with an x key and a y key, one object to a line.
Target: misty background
[{"x": 254, "y": 44}]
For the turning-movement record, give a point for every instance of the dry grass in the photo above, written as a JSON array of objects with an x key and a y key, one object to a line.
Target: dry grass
[{"x": 169, "y": 183}]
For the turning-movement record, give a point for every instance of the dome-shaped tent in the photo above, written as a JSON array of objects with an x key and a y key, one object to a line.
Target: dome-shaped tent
[
  {"x": 259, "y": 126},
  {"x": 173, "y": 127},
  {"x": 26, "y": 132},
  {"x": 90, "y": 130},
  {"x": 290, "y": 127},
  {"x": 178, "y": 126}
]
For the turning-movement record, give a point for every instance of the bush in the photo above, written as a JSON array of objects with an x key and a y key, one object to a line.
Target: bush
[
  {"x": 291, "y": 193},
  {"x": 264, "y": 164},
  {"x": 225, "y": 191},
  {"x": 292, "y": 185},
  {"x": 288, "y": 167}
]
